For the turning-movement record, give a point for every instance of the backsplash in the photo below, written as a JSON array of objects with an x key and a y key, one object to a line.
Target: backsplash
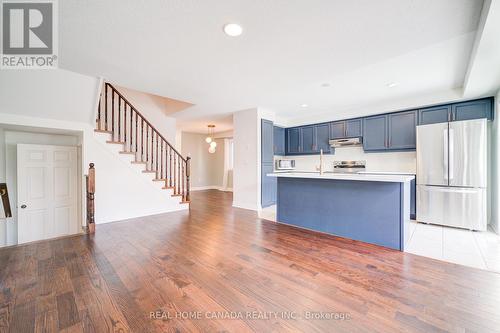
[{"x": 387, "y": 162}]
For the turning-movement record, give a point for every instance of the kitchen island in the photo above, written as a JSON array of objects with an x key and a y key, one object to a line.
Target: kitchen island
[{"x": 373, "y": 208}]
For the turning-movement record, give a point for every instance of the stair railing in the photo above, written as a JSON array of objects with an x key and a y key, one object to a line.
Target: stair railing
[{"x": 126, "y": 125}]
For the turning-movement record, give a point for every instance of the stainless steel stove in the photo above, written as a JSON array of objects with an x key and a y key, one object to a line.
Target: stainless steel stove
[{"x": 349, "y": 166}]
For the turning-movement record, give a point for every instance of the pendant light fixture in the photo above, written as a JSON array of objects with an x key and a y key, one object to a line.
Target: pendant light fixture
[{"x": 210, "y": 140}]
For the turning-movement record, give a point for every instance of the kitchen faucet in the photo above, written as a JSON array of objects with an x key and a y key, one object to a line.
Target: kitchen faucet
[{"x": 320, "y": 168}]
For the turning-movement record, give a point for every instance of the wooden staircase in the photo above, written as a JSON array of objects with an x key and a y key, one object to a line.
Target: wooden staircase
[{"x": 129, "y": 128}]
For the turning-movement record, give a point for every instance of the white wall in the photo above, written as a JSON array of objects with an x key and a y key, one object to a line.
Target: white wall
[
  {"x": 207, "y": 169},
  {"x": 9, "y": 160},
  {"x": 246, "y": 183},
  {"x": 390, "y": 162},
  {"x": 495, "y": 168},
  {"x": 47, "y": 99},
  {"x": 154, "y": 109},
  {"x": 55, "y": 94}
]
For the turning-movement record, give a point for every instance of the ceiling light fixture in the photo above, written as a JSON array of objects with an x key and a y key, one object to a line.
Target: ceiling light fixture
[
  {"x": 304, "y": 105},
  {"x": 326, "y": 84},
  {"x": 392, "y": 84},
  {"x": 210, "y": 140},
  {"x": 233, "y": 29}
]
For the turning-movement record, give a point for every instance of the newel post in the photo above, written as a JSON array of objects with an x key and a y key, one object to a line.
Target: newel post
[
  {"x": 90, "y": 199},
  {"x": 188, "y": 172}
]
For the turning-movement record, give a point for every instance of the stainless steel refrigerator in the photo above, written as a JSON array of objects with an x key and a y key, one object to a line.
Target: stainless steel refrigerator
[{"x": 452, "y": 174}]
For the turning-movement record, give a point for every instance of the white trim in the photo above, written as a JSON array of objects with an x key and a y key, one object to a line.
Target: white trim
[
  {"x": 97, "y": 99},
  {"x": 213, "y": 187},
  {"x": 244, "y": 205},
  {"x": 203, "y": 188},
  {"x": 492, "y": 226}
]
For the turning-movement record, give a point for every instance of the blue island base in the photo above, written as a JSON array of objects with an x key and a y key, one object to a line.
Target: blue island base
[{"x": 368, "y": 211}]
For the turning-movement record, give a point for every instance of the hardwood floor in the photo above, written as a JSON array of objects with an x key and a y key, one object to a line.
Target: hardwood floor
[{"x": 177, "y": 272}]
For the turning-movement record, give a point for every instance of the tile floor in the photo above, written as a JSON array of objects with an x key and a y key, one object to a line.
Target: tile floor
[{"x": 464, "y": 247}]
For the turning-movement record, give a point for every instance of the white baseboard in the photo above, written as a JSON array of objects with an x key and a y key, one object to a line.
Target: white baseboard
[
  {"x": 492, "y": 226},
  {"x": 245, "y": 205},
  {"x": 203, "y": 188}
]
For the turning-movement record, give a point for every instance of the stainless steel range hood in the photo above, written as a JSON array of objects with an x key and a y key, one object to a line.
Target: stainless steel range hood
[{"x": 350, "y": 142}]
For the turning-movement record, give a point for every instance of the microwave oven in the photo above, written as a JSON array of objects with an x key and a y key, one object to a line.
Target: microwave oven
[{"x": 285, "y": 164}]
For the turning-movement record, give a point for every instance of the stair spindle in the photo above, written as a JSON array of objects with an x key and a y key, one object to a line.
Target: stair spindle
[
  {"x": 106, "y": 107},
  {"x": 154, "y": 150}
]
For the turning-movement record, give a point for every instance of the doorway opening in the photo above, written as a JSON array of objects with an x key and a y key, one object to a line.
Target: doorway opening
[{"x": 42, "y": 169}]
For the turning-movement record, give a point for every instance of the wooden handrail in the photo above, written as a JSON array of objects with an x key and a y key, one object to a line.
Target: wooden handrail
[
  {"x": 90, "y": 181},
  {"x": 145, "y": 120},
  {"x": 129, "y": 127}
]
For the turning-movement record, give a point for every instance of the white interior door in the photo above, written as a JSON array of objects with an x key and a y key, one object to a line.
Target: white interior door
[{"x": 47, "y": 192}]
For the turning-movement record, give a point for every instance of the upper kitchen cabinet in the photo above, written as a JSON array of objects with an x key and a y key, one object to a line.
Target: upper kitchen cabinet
[
  {"x": 267, "y": 146},
  {"x": 393, "y": 131},
  {"x": 353, "y": 128},
  {"x": 346, "y": 129},
  {"x": 279, "y": 141},
  {"x": 292, "y": 141},
  {"x": 375, "y": 133},
  {"x": 308, "y": 134},
  {"x": 322, "y": 138},
  {"x": 337, "y": 130},
  {"x": 402, "y": 130},
  {"x": 477, "y": 109},
  {"x": 436, "y": 114}
]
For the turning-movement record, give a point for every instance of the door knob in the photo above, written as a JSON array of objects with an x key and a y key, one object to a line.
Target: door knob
[{"x": 23, "y": 206}]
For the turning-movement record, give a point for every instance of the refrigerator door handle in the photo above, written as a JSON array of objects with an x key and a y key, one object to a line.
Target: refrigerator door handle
[
  {"x": 451, "y": 154},
  {"x": 445, "y": 153}
]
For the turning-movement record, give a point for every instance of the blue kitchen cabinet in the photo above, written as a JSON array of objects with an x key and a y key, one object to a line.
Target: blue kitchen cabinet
[
  {"x": 267, "y": 146},
  {"x": 293, "y": 141},
  {"x": 402, "y": 130},
  {"x": 337, "y": 130},
  {"x": 308, "y": 135},
  {"x": 279, "y": 141},
  {"x": 322, "y": 138},
  {"x": 375, "y": 133},
  {"x": 268, "y": 186},
  {"x": 477, "y": 109},
  {"x": 353, "y": 128},
  {"x": 346, "y": 129},
  {"x": 433, "y": 115}
]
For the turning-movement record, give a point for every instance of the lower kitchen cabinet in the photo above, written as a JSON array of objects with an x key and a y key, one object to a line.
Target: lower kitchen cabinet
[{"x": 268, "y": 186}]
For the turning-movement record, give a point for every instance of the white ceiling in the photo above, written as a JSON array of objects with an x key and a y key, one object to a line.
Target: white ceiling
[{"x": 176, "y": 49}]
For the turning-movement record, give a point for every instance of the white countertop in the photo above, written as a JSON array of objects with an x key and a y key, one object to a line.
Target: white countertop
[
  {"x": 387, "y": 173},
  {"x": 367, "y": 177}
]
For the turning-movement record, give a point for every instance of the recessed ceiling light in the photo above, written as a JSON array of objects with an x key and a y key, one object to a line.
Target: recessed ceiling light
[
  {"x": 304, "y": 105},
  {"x": 326, "y": 84},
  {"x": 392, "y": 84},
  {"x": 233, "y": 29}
]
